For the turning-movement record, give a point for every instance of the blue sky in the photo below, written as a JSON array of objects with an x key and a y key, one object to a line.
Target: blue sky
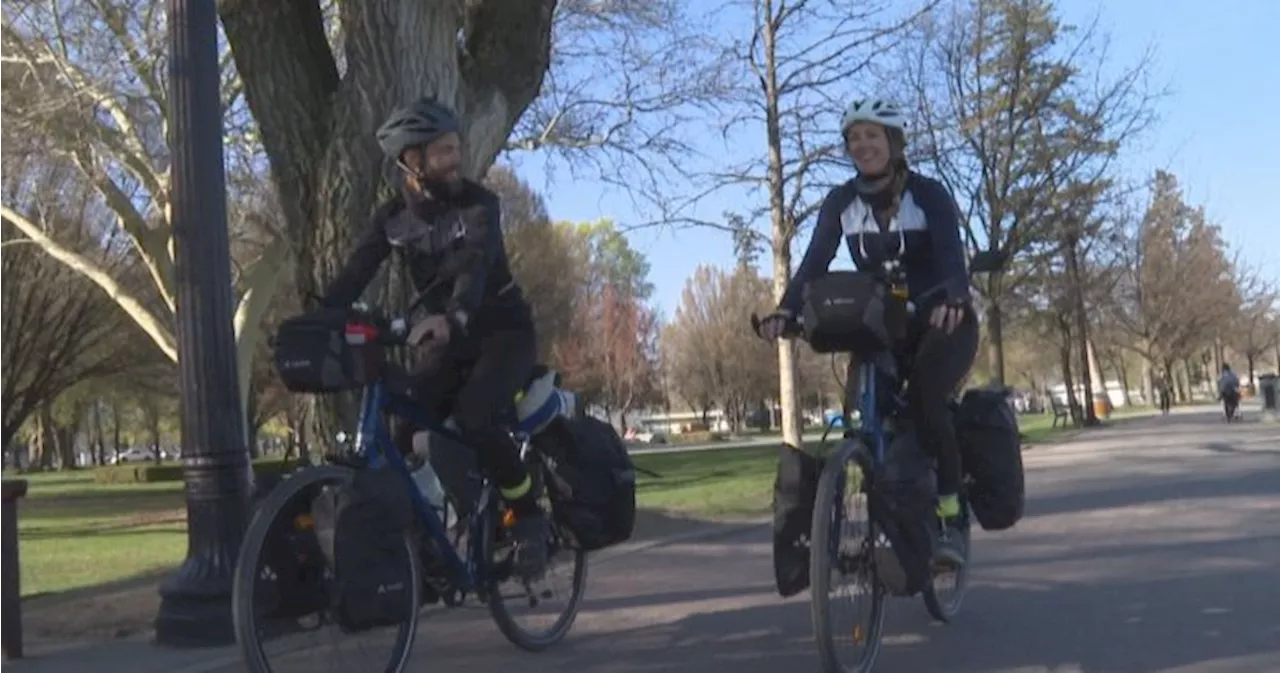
[{"x": 1219, "y": 131}]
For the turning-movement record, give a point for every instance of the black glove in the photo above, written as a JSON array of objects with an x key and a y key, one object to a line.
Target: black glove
[{"x": 775, "y": 324}]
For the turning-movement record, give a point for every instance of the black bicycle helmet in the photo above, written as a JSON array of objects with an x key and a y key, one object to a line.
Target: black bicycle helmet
[{"x": 415, "y": 124}]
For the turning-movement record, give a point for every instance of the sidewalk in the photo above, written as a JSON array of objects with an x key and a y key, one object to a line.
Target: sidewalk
[
  {"x": 139, "y": 654},
  {"x": 121, "y": 656}
]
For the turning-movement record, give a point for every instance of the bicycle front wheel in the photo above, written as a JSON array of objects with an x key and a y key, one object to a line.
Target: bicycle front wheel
[
  {"x": 841, "y": 557},
  {"x": 278, "y": 600}
]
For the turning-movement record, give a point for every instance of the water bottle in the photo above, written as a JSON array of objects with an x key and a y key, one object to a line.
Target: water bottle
[
  {"x": 568, "y": 404},
  {"x": 428, "y": 482}
]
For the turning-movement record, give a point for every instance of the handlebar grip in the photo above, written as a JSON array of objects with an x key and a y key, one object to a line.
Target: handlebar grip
[{"x": 792, "y": 329}]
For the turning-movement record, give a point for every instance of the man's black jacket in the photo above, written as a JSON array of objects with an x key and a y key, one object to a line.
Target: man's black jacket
[{"x": 454, "y": 252}]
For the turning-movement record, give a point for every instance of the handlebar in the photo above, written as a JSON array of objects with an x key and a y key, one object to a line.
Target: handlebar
[
  {"x": 364, "y": 326},
  {"x": 985, "y": 261}
]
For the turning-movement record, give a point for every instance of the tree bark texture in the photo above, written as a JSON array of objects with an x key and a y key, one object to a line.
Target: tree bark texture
[
  {"x": 485, "y": 57},
  {"x": 783, "y": 233},
  {"x": 1078, "y": 308}
]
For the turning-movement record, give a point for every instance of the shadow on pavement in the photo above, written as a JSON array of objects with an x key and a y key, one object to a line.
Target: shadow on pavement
[
  {"x": 1131, "y": 626},
  {"x": 1121, "y": 491}
]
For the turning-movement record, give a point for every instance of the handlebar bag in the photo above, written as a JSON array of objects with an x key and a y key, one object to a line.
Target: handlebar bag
[
  {"x": 327, "y": 351},
  {"x": 851, "y": 311}
]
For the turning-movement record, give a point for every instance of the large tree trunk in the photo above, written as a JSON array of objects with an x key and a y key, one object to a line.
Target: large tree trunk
[
  {"x": 787, "y": 397},
  {"x": 46, "y": 438},
  {"x": 1122, "y": 375},
  {"x": 1188, "y": 394},
  {"x": 1079, "y": 310},
  {"x": 67, "y": 446},
  {"x": 99, "y": 447},
  {"x": 117, "y": 430},
  {"x": 317, "y": 127},
  {"x": 994, "y": 324},
  {"x": 1068, "y": 378},
  {"x": 783, "y": 231},
  {"x": 154, "y": 418}
]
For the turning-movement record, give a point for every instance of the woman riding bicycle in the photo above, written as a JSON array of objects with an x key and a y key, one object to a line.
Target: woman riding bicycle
[{"x": 888, "y": 211}]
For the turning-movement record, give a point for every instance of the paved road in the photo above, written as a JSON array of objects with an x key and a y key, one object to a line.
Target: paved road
[{"x": 1152, "y": 547}]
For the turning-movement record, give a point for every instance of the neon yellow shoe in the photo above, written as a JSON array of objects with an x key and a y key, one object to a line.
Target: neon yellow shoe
[
  {"x": 949, "y": 551},
  {"x": 948, "y": 506}
]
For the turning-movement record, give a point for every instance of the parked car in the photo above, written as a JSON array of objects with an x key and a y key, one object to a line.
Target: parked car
[
  {"x": 134, "y": 455},
  {"x": 645, "y": 436}
]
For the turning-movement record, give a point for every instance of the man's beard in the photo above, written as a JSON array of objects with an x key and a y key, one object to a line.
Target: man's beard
[{"x": 441, "y": 188}]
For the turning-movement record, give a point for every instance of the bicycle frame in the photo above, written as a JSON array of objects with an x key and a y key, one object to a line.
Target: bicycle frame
[
  {"x": 374, "y": 443},
  {"x": 870, "y": 413}
]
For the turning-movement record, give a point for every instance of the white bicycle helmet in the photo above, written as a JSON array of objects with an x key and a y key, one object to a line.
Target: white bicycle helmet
[{"x": 873, "y": 110}]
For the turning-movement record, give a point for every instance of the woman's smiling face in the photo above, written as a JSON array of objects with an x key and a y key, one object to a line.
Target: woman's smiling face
[{"x": 868, "y": 145}]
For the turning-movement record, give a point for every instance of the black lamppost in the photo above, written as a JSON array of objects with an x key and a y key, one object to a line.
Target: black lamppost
[{"x": 195, "y": 609}]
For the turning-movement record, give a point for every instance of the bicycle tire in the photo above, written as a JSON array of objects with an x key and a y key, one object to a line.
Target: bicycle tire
[
  {"x": 946, "y": 611},
  {"x": 820, "y": 568},
  {"x": 503, "y": 618},
  {"x": 242, "y": 613}
]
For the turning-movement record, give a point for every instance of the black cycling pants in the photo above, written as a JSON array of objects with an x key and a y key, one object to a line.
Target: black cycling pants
[
  {"x": 937, "y": 364},
  {"x": 477, "y": 379}
]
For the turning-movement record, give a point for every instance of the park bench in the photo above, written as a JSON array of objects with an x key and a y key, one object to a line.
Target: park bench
[{"x": 1060, "y": 411}]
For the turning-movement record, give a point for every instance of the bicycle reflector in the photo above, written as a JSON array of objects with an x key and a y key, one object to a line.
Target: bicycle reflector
[{"x": 358, "y": 334}]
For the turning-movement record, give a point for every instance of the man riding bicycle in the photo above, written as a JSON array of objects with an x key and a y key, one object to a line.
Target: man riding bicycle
[
  {"x": 888, "y": 211},
  {"x": 447, "y": 230}
]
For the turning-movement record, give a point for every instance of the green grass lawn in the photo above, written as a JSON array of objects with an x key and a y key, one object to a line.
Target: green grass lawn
[
  {"x": 738, "y": 482},
  {"x": 76, "y": 533}
]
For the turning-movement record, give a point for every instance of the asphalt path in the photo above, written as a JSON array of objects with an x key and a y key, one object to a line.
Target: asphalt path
[{"x": 1150, "y": 547}]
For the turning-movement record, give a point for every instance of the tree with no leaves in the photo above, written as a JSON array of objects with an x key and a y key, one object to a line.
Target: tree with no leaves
[
  {"x": 611, "y": 358},
  {"x": 85, "y": 84},
  {"x": 1176, "y": 288},
  {"x": 1255, "y": 329},
  {"x": 58, "y": 332},
  {"x": 712, "y": 360},
  {"x": 799, "y": 63},
  {"x": 1010, "y": 104}
]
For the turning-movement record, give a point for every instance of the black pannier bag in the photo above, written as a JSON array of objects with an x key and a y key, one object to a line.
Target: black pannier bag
[
  {"x": 794, "y": 490},
  {"x": 362, "y": 526},
  {"x": 851, "y": 311},
  {"x": 296, "y": 586},
  {"x": 901, "y": 510},
  {"x": 901, "y": 503},
  {"x": 327, "y": 351},
  {"x": 991, "y": 455},
  {"x": 593, "y": 491}
]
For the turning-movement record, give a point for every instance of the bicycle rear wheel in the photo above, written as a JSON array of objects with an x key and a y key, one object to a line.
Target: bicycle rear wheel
[
  {"x": 840, "y": 489},
  {"x": 254, "y": 579}
]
